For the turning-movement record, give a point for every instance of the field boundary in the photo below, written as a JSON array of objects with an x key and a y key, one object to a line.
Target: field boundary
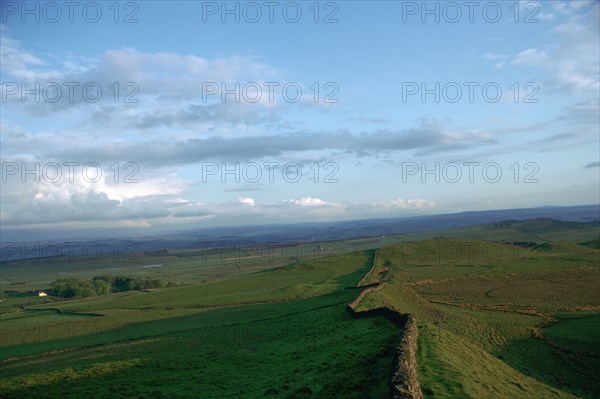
[
  {"x": 360, "y": 283},
  {"x": 404, "y": 379}
]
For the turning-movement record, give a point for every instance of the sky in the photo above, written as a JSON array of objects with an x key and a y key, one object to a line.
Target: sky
[{"x": 144, "y": 117}]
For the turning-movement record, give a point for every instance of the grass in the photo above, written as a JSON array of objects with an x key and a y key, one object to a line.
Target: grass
[
  {"x": 308, "y": 348},
  {"x": 495, "y": 321},
  {"x": 566, "y": 353},
  {"x": 578, "y": 333},
  {"x": 191, "y": 341},
  {"x": 479, "y": 315},
  {"x": 452, "y": 366},
  {"x": 296, "y": 281}
]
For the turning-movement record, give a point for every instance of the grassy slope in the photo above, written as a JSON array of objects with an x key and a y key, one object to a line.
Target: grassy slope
[
  {"x": 301, "y": 348},
  {"x": 470, "y": 340},
  {"x": 308, "y": 348},
  {"x": 301, "y": 280},
  {"x": 186, "y": 266},
  {"x": 282, "y": 283},
  {"x": 471, "y": 335}
]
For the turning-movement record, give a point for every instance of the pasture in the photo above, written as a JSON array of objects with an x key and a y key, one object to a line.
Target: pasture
[
  {"x": 504, "y": 310},
  {"x": 498, "y": 320}
]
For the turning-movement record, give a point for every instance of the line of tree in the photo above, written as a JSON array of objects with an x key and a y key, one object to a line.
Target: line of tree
[{"x": 101, "y": 285}]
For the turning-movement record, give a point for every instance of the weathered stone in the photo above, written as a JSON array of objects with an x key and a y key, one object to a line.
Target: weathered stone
[{"x": 405, "y": 376}]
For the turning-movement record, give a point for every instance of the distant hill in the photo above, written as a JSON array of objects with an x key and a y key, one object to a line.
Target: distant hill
[
  {"x": 372, "y": 227},
  {"x": 553, "y": 219}
]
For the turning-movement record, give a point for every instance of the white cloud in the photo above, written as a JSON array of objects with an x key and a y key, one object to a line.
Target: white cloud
[
  {"x": 495, "y": 56},
  {"x": 415, "y": 204},
  {"x": 569, "y": 61},
  {"x": 531, "y": 57},
  {"x": 18, "y": 62},
  {"x": 308, "y": 201},
  {"x": 154, "y": 79},
  {"x": 573, "y": 59},
  {"x": 55, "y": 193},
  {"x": 246, "y": 201}
]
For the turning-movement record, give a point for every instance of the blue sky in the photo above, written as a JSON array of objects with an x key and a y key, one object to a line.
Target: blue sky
[{"x": 353, "y": 144}]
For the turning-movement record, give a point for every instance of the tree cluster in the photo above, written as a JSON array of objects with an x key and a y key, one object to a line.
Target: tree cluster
[{"x": 101, "y": 285}]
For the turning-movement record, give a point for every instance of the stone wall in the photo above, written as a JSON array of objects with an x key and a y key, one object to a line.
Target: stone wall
[
  {"x": 404, "y": 379},
  {"x": 405, "y": 376}
]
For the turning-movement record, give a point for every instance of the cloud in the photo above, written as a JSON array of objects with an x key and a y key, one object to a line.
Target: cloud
[
  {"x": 561, "y": 141},
  {"x": 199, "y": 114},
  {"x": 499, "y": 59},
  {"x": 416, "y": 204},
  {"x": 58, "y": 194},
  {"x": 18, "y": 62},
  {"x": 83, "y": 204},
  {"x": 587, "y": 112},
  {"x": 430, "y": 137},
  {"x": 495, "y": 56},
  {"x": 570, "y": 59},
  {"x": 246, "y": 201},
  {"x": 531, "y": 57},
  {"x": 592, "y": 165},
  {"x": 245, "y": 188},
  {"x": 308, "y": 201},
  {"x": 44, "y": 206},
  {"x": 575, "y": 61},
  {"x": 129, "y": 77},
  {"x": 193, "y": 212},
  {"x": 368, "y": 120}
]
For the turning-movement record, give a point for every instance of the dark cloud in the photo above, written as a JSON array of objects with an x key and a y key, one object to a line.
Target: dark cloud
[
  {"x": 424, "y": 140},
  {"x": 582, "y": 112}
]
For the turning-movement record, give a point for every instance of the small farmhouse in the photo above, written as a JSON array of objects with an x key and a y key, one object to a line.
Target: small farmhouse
[{"x": 41, "y": 293}]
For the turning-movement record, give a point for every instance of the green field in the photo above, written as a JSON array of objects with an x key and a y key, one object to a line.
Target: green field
[
  {"x": 206, "y": 340},
  {"x": 496, "y": 320},
  {"x": 303, "y": 349}
]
